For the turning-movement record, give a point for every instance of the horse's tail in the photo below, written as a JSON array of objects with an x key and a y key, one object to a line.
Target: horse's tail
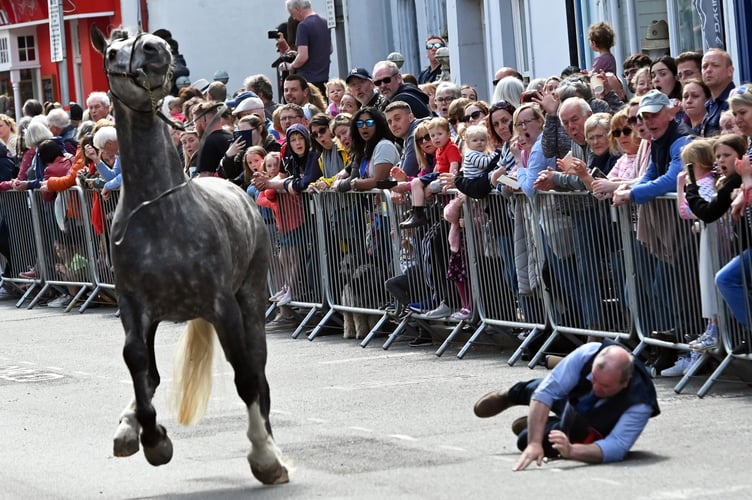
[{"x": 192, "y": 371}]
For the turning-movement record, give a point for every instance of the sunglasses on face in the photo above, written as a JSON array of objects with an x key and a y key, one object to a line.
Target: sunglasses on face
[
  {"x": 434, "y": 45},
  {"x": 472, "y": 116},
  {"x": 422, "y": 139},
  {"x": 321, "y": 131},
  {"x": 742, "y": 89},
  {"x": 386, "y": 81},
  {"x": 367, "y": 123},
  {"x": 618, "y": 131},
  {"x": 632, "y": 120}
]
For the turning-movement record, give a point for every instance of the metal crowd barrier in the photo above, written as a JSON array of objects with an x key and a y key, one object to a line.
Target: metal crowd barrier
[
  {"x": 296, "y": 261},
  {"x": 356, "y": 258},
  {"x": 101, "y": 214},
  {"x": 506, "y": 247},
  {"x": 53, "y": 244}
]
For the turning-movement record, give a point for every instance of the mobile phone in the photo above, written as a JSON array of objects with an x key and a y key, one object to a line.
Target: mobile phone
[
  {"x": 247, "y": 136},
  {"x": 691, "y": 173},
  {"x": 597, "y": 173},
  {"x": 273, "y": 34}
]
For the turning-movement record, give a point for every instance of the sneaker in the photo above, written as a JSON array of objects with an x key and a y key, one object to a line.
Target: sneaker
[
  {"x": 422, "y": 306},
  {"x": 440, "y": 312},
  {"x": 285, "y": 299},
  {"x": 29, "y": 275},
  {"x": 279, "y": 294},
  {"x": 462, "y": 315},
  {"x": 59, "y": 302},
  {"x": 681, "y": 366},
  {"x": 707, "y": 341},
  {"x": 421, "y": 340}
]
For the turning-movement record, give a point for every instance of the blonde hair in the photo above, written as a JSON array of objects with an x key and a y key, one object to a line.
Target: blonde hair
[
  {"x": 439, "y": 122},
  {"x": 699, "y": 152},
  {"x": 476, "y": 131}
]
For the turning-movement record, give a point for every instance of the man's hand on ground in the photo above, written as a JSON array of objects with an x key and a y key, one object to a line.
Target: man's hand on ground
[{"x": 533, "y": 453}]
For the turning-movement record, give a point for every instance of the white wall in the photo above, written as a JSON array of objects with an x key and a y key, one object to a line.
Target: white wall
[
  {"x": 226, "y": 35},
  {"x": 547, "y": 22}
]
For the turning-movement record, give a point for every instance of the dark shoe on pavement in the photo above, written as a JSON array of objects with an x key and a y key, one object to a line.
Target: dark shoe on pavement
[
  {"x": 492, "y": 404},
  {"x": 420, "y": 341},
  {"x": 519, "y": 425}
]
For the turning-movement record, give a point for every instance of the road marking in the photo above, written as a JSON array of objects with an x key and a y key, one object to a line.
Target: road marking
[
  {"x": 452, "y": 448},
  {"x": 85, "y": 374},
  {"x": 54, "y": 368},
  {"x": 607, "y": 481},
  {"x": 403, "y": 437},
  {"x": 368, "y": 358},
  {"x": 362, "y": 429}
]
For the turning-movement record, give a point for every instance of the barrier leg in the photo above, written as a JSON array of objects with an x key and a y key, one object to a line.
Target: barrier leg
[
  {"x": 272, "y": 307},
  {"x": 396, "y": 333},
  {"x": 38, "y": 297},
  {"x": 542, "y": 351},
  {"x": 318, "y": 327},
  {"x": 26, "y": 295},
  {"x": 373, "y": 331},
  {"x": 714, "y": 376},
  {"x": 471, "y": 341},
  {"x": 76, "y": 298},
  {"x": 89, "y": 299},
  {"x": 445, "y": 345},
  {"x": 303, "y": 323},
  {"x": 691, "y": 372},
  {"x": 528, "y": 339}
]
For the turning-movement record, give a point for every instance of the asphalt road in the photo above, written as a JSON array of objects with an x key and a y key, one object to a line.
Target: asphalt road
[{"x": 352, "y": 422}]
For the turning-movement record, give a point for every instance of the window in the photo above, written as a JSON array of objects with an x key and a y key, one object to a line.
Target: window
[
  {"x": 26, "y": 49},
  {"x": 4, "y": 56}
]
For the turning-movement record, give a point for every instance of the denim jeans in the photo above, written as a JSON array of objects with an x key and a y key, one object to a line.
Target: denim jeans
[{"x": 733, "y": 281}]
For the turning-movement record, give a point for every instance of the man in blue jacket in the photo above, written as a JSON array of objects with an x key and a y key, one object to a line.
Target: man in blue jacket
[{"x": 602, "y": 396}]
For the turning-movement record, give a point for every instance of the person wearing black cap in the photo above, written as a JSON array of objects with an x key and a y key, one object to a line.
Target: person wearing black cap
[
  {"x": 76, "y": 113},
  {"x": 361, "y": 86}
]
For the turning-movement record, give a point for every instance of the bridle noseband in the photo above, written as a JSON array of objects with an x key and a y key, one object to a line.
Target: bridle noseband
[{"x": 140, "y": 79}]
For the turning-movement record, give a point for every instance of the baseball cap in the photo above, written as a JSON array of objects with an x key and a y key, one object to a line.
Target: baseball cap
[
  {"x": 201, "y": 85},
  {"x": 361, "y": 73},
  {"x": 232, "y": 103},
  {"x": 653, "y": 102},
  {"x": 249, "y": 104}
]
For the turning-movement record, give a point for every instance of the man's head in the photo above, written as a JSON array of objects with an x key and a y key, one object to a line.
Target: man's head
[
  {"x": 360, "y": 85},
  {"x": 446, "y": 92},
  {"x": 296, "y": 90},
  {"x": 504, "y": 72},
  {"x": 261, "y": 85},
  {"x": 612, "y": 371},
  {"x": 99, "y": 106},
  {"x": 298, "y": 8},
  {"x": 387, "y": 78},
  {"x": 717, "y": 70},
  {"x": 399, "y": 116},
  {"x": 632, "y": 64},
  {"x": 57, "y": 120},
  {"x": 655, "y": 111},
  {"x": 204, "y": 113},
  {"x": 688, "y": 66},
  {"x": 216, "y": 91},
  {"x": 249, "y": 106},
  {"x": 291, "y": 113},
  {"x": 434, "y": 43},
  {"x": 573, "y": 113}
]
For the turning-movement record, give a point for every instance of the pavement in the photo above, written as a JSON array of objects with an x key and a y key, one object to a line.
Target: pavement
[{"x": 351, "y": 422}]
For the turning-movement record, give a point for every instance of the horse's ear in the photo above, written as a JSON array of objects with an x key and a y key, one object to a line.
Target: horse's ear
[{"x": 98, "y": 39}]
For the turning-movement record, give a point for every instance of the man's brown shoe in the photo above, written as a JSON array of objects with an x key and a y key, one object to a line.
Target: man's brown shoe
[
  {"x": 492, "y": 404},
  {"x": 519, "y": 425}
]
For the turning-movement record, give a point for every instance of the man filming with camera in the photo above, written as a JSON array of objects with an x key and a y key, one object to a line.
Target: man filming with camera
[{"x": 313, "y": 45}]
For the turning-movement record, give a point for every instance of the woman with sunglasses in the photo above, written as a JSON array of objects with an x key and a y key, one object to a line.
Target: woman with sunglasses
[
  {"x": 475, "y": 113},
  {"x": 373, "y": 152},
  {"x": 333, "y": 156}
]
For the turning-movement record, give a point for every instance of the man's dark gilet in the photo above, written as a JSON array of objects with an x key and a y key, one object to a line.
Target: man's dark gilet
[{"x": 603, "y": 418}]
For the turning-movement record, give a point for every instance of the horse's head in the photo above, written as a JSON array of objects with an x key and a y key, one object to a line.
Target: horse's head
[{"x": 139, "y": 67}]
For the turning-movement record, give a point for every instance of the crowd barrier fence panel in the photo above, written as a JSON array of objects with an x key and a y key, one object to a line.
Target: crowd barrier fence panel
[
  {"x": 295, "y": 261},
  {"x": 99, "y": 227},
  {"x": 18, "y": 211},
  {"x": 503, "y": 257},
  {"x": 356, "y": 258},
  {"x": 65, "y": 242}
]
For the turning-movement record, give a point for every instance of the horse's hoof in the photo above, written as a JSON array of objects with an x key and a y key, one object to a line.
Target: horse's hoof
[
  {"x": 273, "y": 475},
  {"x": 159, "y": 454},
  {"x": 125, "y": 442}
]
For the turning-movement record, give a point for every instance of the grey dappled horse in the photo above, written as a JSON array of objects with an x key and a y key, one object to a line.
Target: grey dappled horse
[{"x": 182, "y": 250}]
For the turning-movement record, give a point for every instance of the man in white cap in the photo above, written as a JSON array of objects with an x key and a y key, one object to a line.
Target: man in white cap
[
  {"x": 669, "y": 137},
  {"x": 253, "y": 106}
]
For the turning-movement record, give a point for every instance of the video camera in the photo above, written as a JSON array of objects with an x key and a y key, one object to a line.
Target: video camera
[{"x": 286, "y": 58}]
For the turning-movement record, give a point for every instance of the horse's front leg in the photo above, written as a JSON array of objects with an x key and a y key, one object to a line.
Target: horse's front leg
[{"x": 138, "y": 353}]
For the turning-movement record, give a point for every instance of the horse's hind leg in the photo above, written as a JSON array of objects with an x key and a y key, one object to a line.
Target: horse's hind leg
[
  {"x": 243, "y": 341},
  {"x": 139, "y": 357}
]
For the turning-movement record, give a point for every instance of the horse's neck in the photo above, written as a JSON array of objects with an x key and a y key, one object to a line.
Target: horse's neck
[{"x": 149, "y": 160}]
